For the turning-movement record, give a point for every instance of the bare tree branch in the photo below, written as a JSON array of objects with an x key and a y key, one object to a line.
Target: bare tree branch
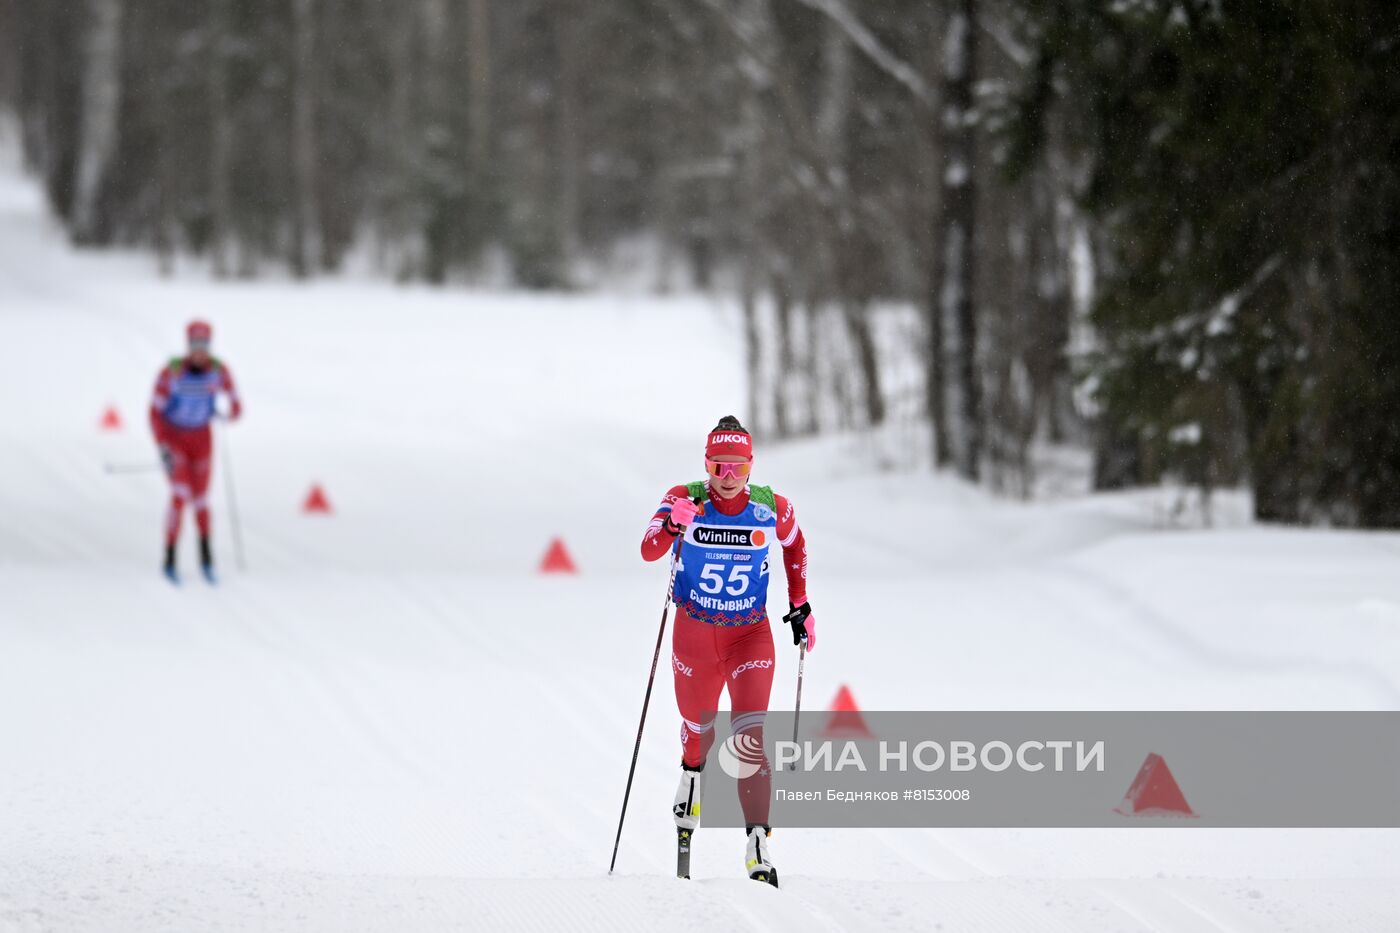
[
  {"x": 874, "y": 49},
  {"x": 1013, "y": 50}
]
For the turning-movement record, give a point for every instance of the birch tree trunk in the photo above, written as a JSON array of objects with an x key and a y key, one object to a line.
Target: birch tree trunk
[
  {"x": 955, "y": 339},
  {"x": 567, "y": 130},
  {"x": 401, "y": 247},
  {"x": 10, "y": 54},
  {"x": 479, "y": 71},
  {"x": 306, "y": 240},
  {"x": 848, "y": 238},
  {"x": 835, "y": 107},
  {"x": 221, "y": 141},
  {"x": 101, "y": 106}
]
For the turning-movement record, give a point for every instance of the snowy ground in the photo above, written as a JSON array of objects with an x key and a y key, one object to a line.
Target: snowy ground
[{"x": 391, "y": 722}]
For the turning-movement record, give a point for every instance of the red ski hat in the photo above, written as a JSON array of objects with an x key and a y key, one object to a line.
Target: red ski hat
[
  {"x": 199, "y": 330},
  {"x": 729, "y": 439}
]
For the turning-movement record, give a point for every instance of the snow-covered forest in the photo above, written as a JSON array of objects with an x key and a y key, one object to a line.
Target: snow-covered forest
[{"x": 1163, "y": 229}]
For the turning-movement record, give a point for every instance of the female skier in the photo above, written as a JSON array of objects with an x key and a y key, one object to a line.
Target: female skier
[
  {"x": 182, "y": 406},
  {"x": 722, "y": 527}
]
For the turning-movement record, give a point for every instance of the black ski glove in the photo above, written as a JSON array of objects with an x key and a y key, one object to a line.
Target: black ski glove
[{"x": 797, "y": 618}]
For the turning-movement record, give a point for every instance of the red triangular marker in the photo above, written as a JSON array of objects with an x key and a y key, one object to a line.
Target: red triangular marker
[
  {"x": 557, "y": 559},
  {"x": 316, "y": 501},
  {"x": 111, "y": 419},
  {"x": 845, "y": 718},
  {"x": 1154, "y": 792}
]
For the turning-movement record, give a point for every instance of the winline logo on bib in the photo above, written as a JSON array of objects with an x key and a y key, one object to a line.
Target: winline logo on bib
[{"x": 728, "y": 537}]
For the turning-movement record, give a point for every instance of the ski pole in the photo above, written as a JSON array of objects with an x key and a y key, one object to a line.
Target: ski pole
[
  {"x": 114, "y": 468},
  {"x": 646, "y": 699},
  {"x": 235, "y": 525},
  {"x": 797, "y": 707},
  {"x": 792, "y": 618}
]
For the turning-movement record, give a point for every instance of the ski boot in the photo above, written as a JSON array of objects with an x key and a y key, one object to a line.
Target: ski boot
[
  {"x": 756, "y": 855},
  {"x": 168, "y": 568},
  {"x": 687, "y": 813},
  {"x": 206, "y": 561}
]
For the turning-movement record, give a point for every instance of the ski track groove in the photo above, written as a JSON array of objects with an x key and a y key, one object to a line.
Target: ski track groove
[
  {"x": 468, "y": 642},
  {"x": 819, "y": 913},
  {"x": 465, "y": 639},
  {"x": 756, "y": 914},
  {"x": 935, "y": 865},
  {"x": 53, "y": 530},
  {"x": 582, "y": 716},
  {"x": 1188, "y": 645},
  {"x": 1199, "y": 906},
  {"x": 573, "y": 692},
  {"x": 342, "y": 699},
  {"x": 1158, "y": 907}
]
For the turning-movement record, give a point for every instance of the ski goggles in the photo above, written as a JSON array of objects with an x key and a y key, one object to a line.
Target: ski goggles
[
  {"x": 720, "y": 469},
  {"x": 199, "y": 343}
]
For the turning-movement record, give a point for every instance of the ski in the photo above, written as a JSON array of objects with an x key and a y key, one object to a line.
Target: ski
[
  {"x": 769, "y": 875},
  {"x": 683, "y": 851},
  {"x": 209, "y": 577},
  {"x": 170, "y": 574}
]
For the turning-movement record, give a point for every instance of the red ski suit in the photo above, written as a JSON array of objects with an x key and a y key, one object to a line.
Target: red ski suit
[
  {"x": 182, "y": 405},
  {"x": 706, "y": 658}
]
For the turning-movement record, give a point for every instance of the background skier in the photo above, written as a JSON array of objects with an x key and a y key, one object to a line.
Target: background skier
[
  {"x": 722, "y": 638},
  {"x": 182, "y": 406}
]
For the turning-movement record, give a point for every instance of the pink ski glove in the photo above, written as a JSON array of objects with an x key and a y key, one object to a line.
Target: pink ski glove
[
  {"x": 803, "y": 625},
  {"x": 683, "y": 512}
]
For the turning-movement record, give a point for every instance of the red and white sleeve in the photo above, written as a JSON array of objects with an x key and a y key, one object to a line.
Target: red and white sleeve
[
  {"x": 794, "y": 550},
  {"x": 160, "y": 397},
  {"x": 226, "y": 383}
]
